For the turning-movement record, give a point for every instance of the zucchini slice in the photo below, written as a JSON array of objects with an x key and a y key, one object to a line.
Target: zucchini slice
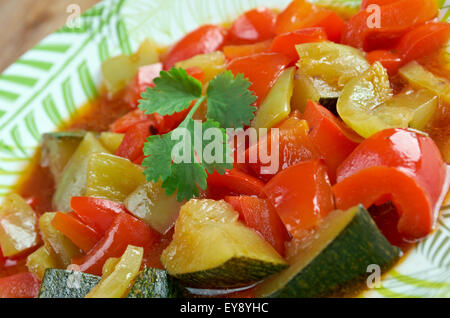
[
  {"x": 212, "y": 249},
  {"x": 58, "y": 283},
  {"x": 156, "y": 283},
  {"x": 335, "y": 262},
  {"x": 73, "y": 180},
  {"x": 57, "y": 149}
]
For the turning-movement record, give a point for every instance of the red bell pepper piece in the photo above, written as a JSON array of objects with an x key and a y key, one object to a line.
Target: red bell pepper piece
[
  {"x": 302, "y": 196},
  {"x": 129, "y": 120},
  {"x": 96, "y": 213},
  {"x": 398, "y": 165},
  {"x": 125, "y": 230},
  {"x": 235, "y": 182},
  {"x": 134, "y": 140},
  {"x": 294, "y": 146},
  {"x": 196, "y": 72},
  {"x": 143, "y": 79},
  {"x": 285, "y": 43},
  {"x": 253, "y": 26},
  {"x": 423, "y": 40},
  {"x": 390, "y": 60},
  {"x": 234, "y": 51},
  {"x": 79, "y": 233},
  {"x": 23, "y": 285},
  {"x": 205, "y": 39},
  {"x": 262, "y": 70},
  {"x": 292, "y": 17},
  {"x": 258, "y": 214},
  {"x": 152, "y": 253},
  {"x": 331, "y": 137},
  {"x": 328, "y": 20},
  {"x": 395, "y": 20}
]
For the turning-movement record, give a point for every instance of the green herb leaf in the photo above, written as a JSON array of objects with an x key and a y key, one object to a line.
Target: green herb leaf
[
  {"x": 229, "y": 100},
  {"x": 174, "y": 91}
]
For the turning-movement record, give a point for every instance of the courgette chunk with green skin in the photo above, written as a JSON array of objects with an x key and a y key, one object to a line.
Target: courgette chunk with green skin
[
  {"x": 57, "y": 149},
  {"x": 58, "y": 283},
  {"x": 156, "y": 283},
  {"x": 336, "y": 262},
  {"x": 212, "y": 249}
]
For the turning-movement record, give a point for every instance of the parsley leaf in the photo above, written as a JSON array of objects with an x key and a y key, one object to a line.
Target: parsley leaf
[
  {"x": 174, "y": 157},
  {"x": 173, "y": 92},
  {"x": 229, "y": 100}
]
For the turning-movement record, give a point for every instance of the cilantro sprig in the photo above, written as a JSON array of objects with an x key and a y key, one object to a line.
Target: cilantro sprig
[{"x": 228, "y": 106}]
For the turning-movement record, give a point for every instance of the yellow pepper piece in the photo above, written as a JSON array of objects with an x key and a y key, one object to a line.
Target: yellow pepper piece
[
  {"x": 111, "y": 141},
  {"x": 18, "y": 231},
  {"x": 277, "y": 105},
  {"x": 115, "y": 285},
  {"x": 41, "y": 259}
]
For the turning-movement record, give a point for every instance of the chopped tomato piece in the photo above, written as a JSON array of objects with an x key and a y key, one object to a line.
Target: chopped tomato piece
[
  {"x": 333, "y": 140},
  {"x": 285, "y": 43},
  {"x": 253, "y": 26},
  {"x": 234, "y": 182},
  {"x": 79, "y": 233},
  {"x": 261, "y": 69},
  {"x": 395, "y": 19},
  {"x": 129, "y": 120},
  {"x": 234, "y": 51},
  {"x": 23, "y": 285},
  {"x": 134, "y": 140},
  {"x": 258, "y": 214},
  {"x": 292, "y": 17},
  {"x": 396, "y": 165},
  {"x": 97, "y": 213},
  {"x": 153, "y": 252},
  {"x": 125, "y": 230},
  {"x": 302, "y": 196},
  {"x": 328, "y": 20},
  {"x": 390, "y": 60},
  {"x": 294, "y": 145},
  {"x": 143, "y": 79},
  {"x": 423, "y": 40},
  {"x": 205, "y": 39},
  {"x": 196, "y": 72}
]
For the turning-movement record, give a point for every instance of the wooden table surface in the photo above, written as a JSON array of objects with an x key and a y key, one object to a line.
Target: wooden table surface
[{"x": 25, "y": 22}]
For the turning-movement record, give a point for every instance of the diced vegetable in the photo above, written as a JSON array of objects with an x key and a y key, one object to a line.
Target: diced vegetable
[
  {"x": 302, "y": 197},
  {"x": 240, "y": 256},
  {"x": 156, "y": 283},
  {"x": 62, "y": 246},
  {"x": 206, "y": 39},
  {"x": 143, "y": 79},
  {"x": 150, "y": 203},
  {"x": 210, "y": 63},
  {"x": 18, "y": 230},
  {"x": 253, "y": 26},
  {"x": 293, "y": 16},
  {"x": 294, "y": 145},
  {"x": 262, "y": 70},
  {"x": 111, "y": 141},
  {"x": 386, "y": 160},
  {"x": 329, "y": 20},
  {"x": 58, "y": 283},
  {"x": 304, "y": 90},
  {"x": 111, "y": 177},
  {"x": 419, "y": 77},
  {"x": 134, "y": 140},
  {"x": 79, "y": 233},
  {"x": 235, "y": 182},
  {"x": 331, "y": 138},
  {"x": 57, "y": 149},
  {"x": 285, "y": 43},
  {"x": 115, "y": 285},
  {"x": 96, "y": 212},
  {"x": 125, "y": 230},
  {"x": 391, "y": 61},
  {"x": 40, "y": 260},
  {"x": 331, "y": 65},
  {"x": 276, "y": 107},
  {"x": 120, "y": 70},
  {"x": 259, "y": 214},
  {"x": 73, "y": 180},
  {"x": 235, "y": 51},
  {"x": 334, "y": 263},
  {"x": 366, "y": 104},
  {"x": 23, "y": 285}
]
